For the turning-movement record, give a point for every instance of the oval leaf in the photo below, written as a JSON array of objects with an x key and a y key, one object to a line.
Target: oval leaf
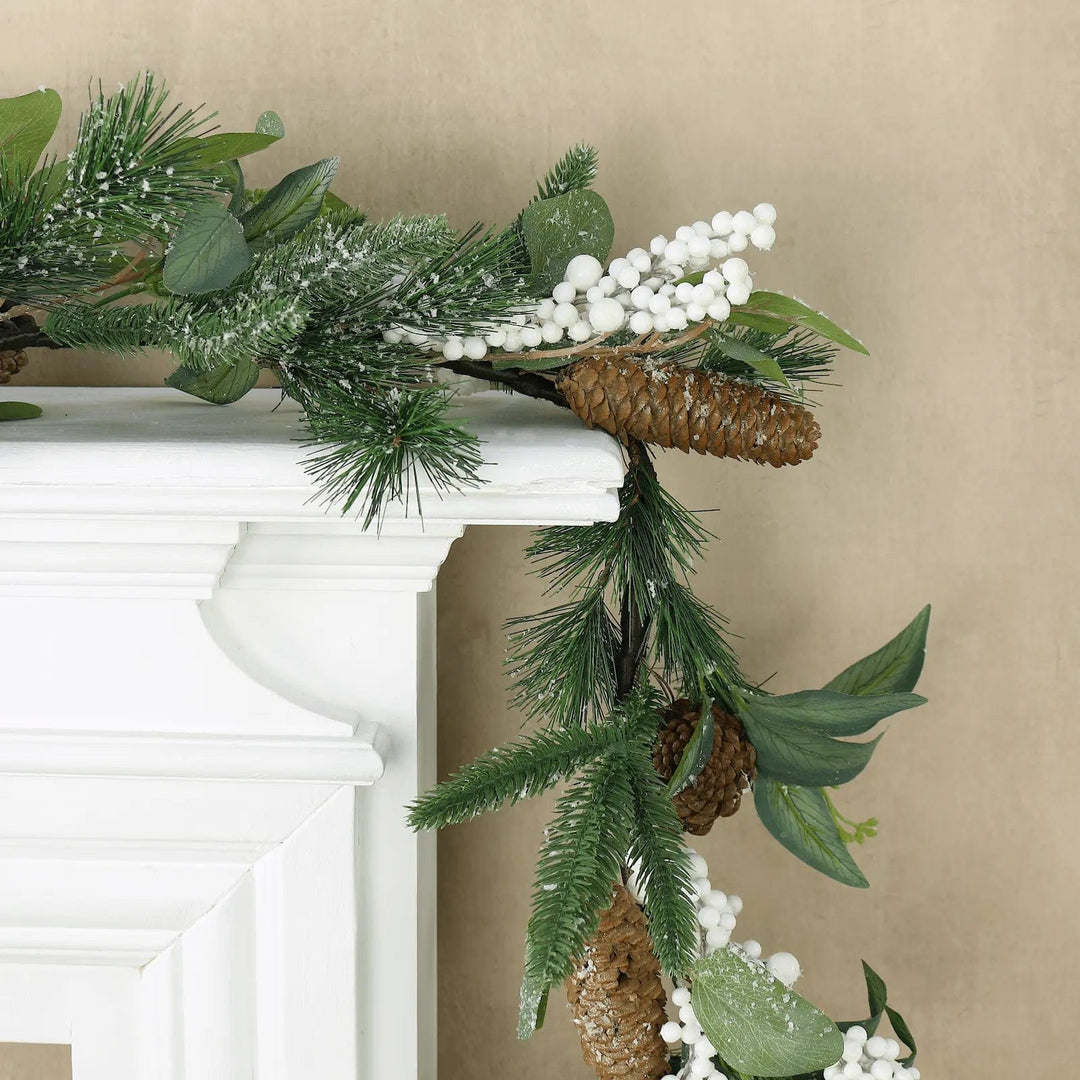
[
  {"x": 895, "y": 667},
  {"x": 797, "y": 756},
  {"x": 756, "y": 1023},
  {"x": 769, "y": 323},
  {"x": 221, "y": 385},
  {"x": 787, "y": 307},
  {"x": 207, "y": 253},
  {"x": 226, "y": 145},
  {"x": 555, "y": 230},
  {"x": 269, "y": 123},
  {"x": 799, "y": 818},
  {"x": 829, "y": 712},
  {"x": 27, "y": 124},
  {"x": 290, "y": 204},
  {"x": 19, "y": 410}
]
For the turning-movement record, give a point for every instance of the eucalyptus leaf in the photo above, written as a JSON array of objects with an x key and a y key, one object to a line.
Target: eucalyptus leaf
[
  {"x": 696, "y": 754},
  {"x": 903, "y": 1033},
  {"x": 762, "y": 363},
  {"x": 289, "y": 205},
  {"x": 799, "y": 818},
  {"x": 830, "y": 712},
  {"x": 808, "y": 758},
  {"x": 221, "y": 385},
  {"x": 895, "y": 667},
  {"x": 208, "y": 251},
  {"x": 19, "y": 410},
  {"x": 755, "y": 321},
  {"x": 788, "y": 307},
  {"x": 757, "y": 1024},
  {"x": 555, "y": 230},
  {"x": 225, "y": 145},
  {"x": 27, "y": 124},
  {"x": 269, "y": 123}
]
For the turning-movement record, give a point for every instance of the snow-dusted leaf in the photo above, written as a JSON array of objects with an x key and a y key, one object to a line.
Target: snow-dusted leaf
[
  {"x": 555, "y": 230},
  {"x": 207, "y": 253},
  {"x": 27, "y": 124},
  {"x": 696, "y": 754},
  {"x": 799, "y": 818},
  {"x": 895, "y": 667},
  {"x": 797, "y": 755},
  {"x": 221, "y": 385},
  {"x": 269, "y": 123},
  {"x": 758, "y": 1025},
  {"x": 225, "y": 145},
  {"x": 788, "y": 307}
]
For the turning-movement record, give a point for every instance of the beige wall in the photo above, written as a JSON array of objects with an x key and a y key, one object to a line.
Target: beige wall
[{"x": 923, "y": 158}]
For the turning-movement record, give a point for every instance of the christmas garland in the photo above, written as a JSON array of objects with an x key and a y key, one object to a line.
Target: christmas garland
[{"x": 367, "y": 324}]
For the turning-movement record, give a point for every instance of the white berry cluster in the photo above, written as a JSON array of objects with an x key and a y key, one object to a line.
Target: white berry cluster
[
  {"x": 641, "y": 291},
  {"x": 716, "y": 913},
  {"x": 869, "y": 1057}
]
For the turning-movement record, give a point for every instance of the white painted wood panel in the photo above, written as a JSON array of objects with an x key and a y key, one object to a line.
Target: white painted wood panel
[{"x": 217, "y": 700}]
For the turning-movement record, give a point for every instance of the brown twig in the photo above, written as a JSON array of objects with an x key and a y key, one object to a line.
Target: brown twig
[{"x": 523, "y": 382}]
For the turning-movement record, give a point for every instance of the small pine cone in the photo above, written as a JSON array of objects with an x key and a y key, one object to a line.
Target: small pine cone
[
  {"x": 717, "y": 792},
  {"x": 617, "y": 997},
  {"x": 11, "y": 363},
  {"x": 690, "y": 410}
]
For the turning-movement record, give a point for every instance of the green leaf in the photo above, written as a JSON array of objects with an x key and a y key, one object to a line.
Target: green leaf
[
  {"x": 754, "y": 321},
  {"x": 555, "y": 230},
  {"x": 788, "y": 307},
  {"x": 18, "y": 410},
  {"x": 903, "y": 1033},
  {"x": 27, "y": 124},
  {"x": 696, "y": 754},
  {"x": 269, "y": 123},
  {"x": 829, "y": 712},
  {"x": 220, "y": 385},
  {"x": 762, "y": 363},
  {"x": 895, "y": 667},
  {"x": 208, "y": 251},
  {"x": 226, "y": 145},
  {"x": 799, "y": 818},
  {"x": 334, "y": 203},
  {"x": 808, "y": 758},
  {"x": 756, "y": 1023},
  {"x": 233, "y": 177},
  {"x": 292, "y": 203}
]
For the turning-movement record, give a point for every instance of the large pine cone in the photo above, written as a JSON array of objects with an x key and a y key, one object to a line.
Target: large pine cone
[
  {"x": 617, "y": 997},
  {"x": 717, "y": 792},
  {"x": 11, "y": 363},
  {"x": 671, "y": 406}
]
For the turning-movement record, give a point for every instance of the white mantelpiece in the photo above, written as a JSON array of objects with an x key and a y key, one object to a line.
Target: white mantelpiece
[{"x": 215, "y": 699}]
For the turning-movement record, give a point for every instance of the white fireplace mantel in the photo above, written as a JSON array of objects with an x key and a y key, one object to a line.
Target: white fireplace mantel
[{"x": 216, "y": 697}]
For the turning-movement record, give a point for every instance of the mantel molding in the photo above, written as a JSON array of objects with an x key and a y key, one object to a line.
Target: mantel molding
[{"x": 218, "y": 697}]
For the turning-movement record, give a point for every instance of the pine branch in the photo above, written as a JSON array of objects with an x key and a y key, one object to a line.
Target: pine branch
[
  {"x": 524, "y": 768},
  {"x": 802, "y": 356},
  {"x": 662, "y": 864},
  {"x": 574, "y": 171},
  {"x": 579, "y": 862}
]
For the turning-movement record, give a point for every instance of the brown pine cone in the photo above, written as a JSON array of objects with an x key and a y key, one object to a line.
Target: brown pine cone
[
  {"x": 717, "y": 792},
  {"x": 674, "y": 407},
  {"x": 11, "y": 363},
  {"x": 617, "y": 997}
]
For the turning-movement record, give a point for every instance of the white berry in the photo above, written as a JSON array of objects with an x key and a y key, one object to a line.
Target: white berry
[
  {"x": 583, "y": 271},
  {"x": 671, "y": 1032},
  {"x": 658, "y": 305},
  {"x": 717, "y": 899},
  {"x": 531, "y": 336},
  {"x": 564, "y": 292},
  {"x": 699, "y": 247},
  {"x": 703, "y": 294},
  {"x": 752, "y": 949},
  {"x": 512, "y": 341},
  {"x": 714, "y": 279},
  {"x": 592, "y": 295},
  {"x": 676, "y": 319},
  {"x": 475, "y": 348},
  {"x": 735, "y": 269},
  {"x": 722, "y": 223},
  {"x": 876, "y": 1046},
  {"x": 708, "y": 917},
  {"x": 701, "y": 1067},
  {"x": 763, "y": 237},
  {"x": 497, "y": 337},
  {"x": 881, "y": 1070},
  {"x": 616, "y": 266},
  {"x": 551, "y": 332},
  {"x": 856, "y": 1032},
  {"x": 765, "y": 213},
  {"x": 786, "y": 968},
  {"x": 685, "y": 233},
  {"x": 695, "y": 312},
  {"x": 684, "y": 292},
  {"x": 641, "y": 322},
  {"x": 680, "y": 996},
  {"x": 565, "y": 315},
  {"x": 606, "y": 315},
  {"x": 580, "y": 331},
  {"x": 738, "y": 292},
  {"x": 676, "y": 252},
  {"x": 737, "y": 242},
  {"x": 641, "y": 296},
  {"x": 717, "y": 937},
  {"x": 719, "y": 309},
  {"x": 545, "y": 309},
  {"x": 607, "y": 285},
  {"x": 628, "y": 277},
  {"x": 743, "y": 222},
  {"x": 702, "y": 228},
  {"x": 657, "y": 244}
]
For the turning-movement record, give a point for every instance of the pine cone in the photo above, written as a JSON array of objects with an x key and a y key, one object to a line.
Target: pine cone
[
  {"x": 11, "y": 363},
  {"x": 673, "y": 407},
  {"x": 717, "y": 792},
  {"x": 617, "y": 997}
]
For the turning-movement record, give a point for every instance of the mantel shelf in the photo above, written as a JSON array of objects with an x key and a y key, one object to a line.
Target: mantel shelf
[{"x": 218, "y": 696}]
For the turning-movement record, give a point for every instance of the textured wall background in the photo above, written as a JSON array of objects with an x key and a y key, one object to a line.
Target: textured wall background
[{"x": 923, "y": 159}]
